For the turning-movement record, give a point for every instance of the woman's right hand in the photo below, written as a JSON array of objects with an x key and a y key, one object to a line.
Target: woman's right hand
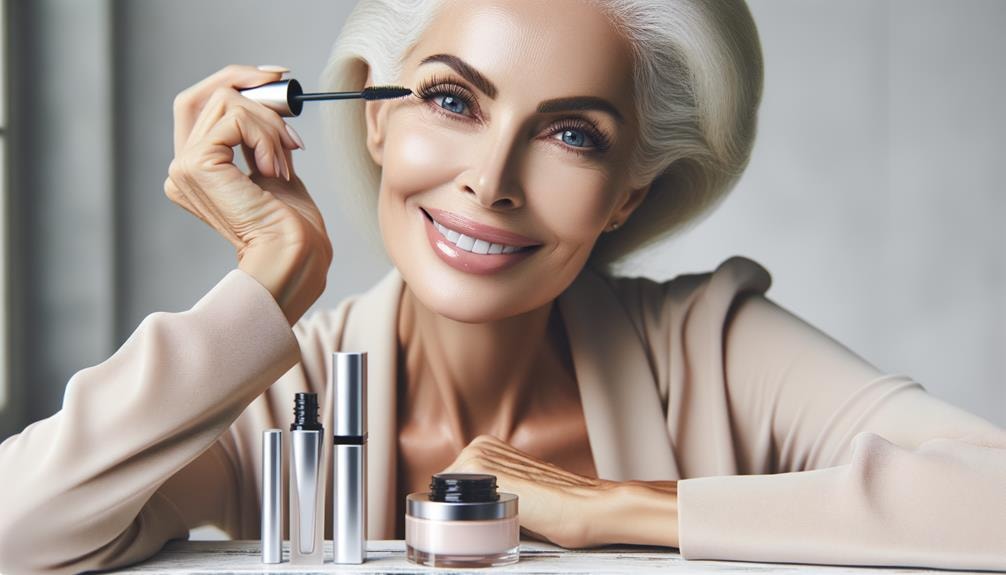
[{"x": 267, "y": 215}]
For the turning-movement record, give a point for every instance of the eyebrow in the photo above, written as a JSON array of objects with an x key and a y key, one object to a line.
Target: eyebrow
[{"x": 548, "y": 106}]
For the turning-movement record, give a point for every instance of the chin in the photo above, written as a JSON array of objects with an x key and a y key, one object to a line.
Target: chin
[{"x": 475, "y": 298}]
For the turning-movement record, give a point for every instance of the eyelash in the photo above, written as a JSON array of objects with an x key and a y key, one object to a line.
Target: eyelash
[{"x": 440, "y": 86}]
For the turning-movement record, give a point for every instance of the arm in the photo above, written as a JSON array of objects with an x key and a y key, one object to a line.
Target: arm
[
  {"x": 88, "y": 488},
  {"x": 861, "y": 468}
]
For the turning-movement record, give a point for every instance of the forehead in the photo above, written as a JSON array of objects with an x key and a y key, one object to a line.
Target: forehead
[{"x": 538, "y": 49}]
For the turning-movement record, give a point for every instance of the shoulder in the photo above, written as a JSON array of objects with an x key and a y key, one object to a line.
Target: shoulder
[{"x": 705, "y": 295}]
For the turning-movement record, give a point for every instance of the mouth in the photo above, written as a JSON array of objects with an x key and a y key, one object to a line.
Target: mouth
[{"x": 475, "y": 242}]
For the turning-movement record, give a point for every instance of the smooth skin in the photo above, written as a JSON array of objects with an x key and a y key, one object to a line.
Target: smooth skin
[{"x": 486, "y": 379}]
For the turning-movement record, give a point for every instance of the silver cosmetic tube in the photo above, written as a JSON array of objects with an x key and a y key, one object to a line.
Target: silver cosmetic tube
[
  {"x": 307, "y": 510},
  {"x": 278, "y": 96},
  {"x": 272, "y": 496},
  {"x": 349, "y": 501}
]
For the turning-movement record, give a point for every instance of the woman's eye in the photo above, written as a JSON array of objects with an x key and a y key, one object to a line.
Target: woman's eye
[
  {"x": 576, "y": 138},
  {"x": 451, "y": 103}
]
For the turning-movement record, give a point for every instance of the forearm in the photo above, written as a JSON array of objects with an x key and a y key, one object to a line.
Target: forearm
[{"x": 637, "y": 513}]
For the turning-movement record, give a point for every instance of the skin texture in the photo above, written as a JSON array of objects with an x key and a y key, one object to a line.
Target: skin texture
[{"x": 486, "y": 378}]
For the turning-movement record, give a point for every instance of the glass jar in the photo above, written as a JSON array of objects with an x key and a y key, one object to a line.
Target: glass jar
[{"x": 462, "y": 522}]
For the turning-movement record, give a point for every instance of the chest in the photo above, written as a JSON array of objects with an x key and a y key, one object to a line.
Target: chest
[{"x": 555, "y": 432}]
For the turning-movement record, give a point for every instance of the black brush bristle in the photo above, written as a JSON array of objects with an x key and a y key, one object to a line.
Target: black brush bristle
[{"x": 382, "y": 92}]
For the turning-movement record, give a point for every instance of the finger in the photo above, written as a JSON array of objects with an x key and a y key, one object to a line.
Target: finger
[
  {"x": 512, "y": 458},
  {"x": 222, "y": 102},
  {"x": 189, "y": 102},
  {"x": 249, "y": 155},
  {"x": 225, "y": 99},
  {"x": 243, "y": 126}
]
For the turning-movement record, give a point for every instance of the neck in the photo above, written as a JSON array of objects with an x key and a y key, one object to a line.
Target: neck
[{"x": 477, "y": 378}]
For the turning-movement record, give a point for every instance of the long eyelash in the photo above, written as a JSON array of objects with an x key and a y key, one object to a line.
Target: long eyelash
[
  {"x": 602, "y": 141},
  {"x": 437, "y": 85},
  {"x": 441, "y": 85}
]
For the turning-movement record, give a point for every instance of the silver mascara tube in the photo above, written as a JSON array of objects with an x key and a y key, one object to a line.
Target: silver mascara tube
[
  {"x": 307, "y": 508},
  {"x": 349, "y": 440},
  {"x": 272, "y": 496}
]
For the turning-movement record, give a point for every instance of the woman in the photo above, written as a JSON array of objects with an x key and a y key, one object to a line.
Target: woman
[{"x": 694, "y": 413}]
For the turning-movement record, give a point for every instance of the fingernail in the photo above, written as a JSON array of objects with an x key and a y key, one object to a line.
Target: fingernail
[
  {"x": 296, "y": 137},
  {"x": 278, "y": 167},
  {"x": 272, "y": 68}
]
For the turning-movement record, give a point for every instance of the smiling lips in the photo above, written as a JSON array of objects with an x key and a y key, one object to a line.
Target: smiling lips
[
  {"x": 472, "y": 247},
  {"x": 476, "y": 237}
]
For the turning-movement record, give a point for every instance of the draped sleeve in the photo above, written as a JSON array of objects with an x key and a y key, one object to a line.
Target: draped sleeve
[{"x": 792, "y": 448}]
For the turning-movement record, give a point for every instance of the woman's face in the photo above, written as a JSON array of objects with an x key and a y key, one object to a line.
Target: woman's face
[{"x": 519, "y": 182}]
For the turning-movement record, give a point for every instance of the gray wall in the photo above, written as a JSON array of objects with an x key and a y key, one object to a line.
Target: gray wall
[{"x": 873, "y": 196}]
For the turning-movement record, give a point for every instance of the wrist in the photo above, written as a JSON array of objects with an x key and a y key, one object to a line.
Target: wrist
[
  {"x": 638, "y": 513},
  {"x": 295, "y": 275}
]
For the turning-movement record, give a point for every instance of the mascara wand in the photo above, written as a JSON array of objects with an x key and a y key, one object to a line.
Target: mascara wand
[{"x": 287, "y": 98}]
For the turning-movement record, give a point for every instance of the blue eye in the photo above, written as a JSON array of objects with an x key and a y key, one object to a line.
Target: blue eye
[
  {"x": 451, "y": 103},
  {"x": 576, "y": 138}
]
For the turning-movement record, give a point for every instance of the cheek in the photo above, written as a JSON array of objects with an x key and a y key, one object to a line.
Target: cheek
[
  {"x": 416, "y": 158},
  {"x": 572, "y": 202}
]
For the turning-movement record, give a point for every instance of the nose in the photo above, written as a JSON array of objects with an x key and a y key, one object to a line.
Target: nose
[{"x": 491, "y": 177}]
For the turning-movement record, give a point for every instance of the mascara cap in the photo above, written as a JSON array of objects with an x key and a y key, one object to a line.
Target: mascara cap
[
  {"x": 279, "y": 96},
  {"x": 349, "y": 394}
]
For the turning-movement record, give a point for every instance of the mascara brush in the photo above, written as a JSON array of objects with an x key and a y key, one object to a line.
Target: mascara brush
[{"x": 287, "y": 98}]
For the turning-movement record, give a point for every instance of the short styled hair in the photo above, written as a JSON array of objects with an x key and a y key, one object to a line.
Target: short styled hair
[{"x": 697, "y": 84}]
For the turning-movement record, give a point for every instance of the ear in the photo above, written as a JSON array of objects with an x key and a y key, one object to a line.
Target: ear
[
  {"x": 375, "y": 112},
  {"x": 630, "y": 202}
]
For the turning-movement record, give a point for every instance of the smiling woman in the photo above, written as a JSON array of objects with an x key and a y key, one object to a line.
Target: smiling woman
[
  {"x": 691, "y": 70},
  {"x": 544, "y": 140}
]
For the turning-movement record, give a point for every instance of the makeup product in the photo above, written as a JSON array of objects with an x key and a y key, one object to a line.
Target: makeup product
[
  {"x": 307, "y": 498},
  {"x": 462, "y": 522},
  {"x": 349, "y": 495},
  {"x": 272, "y": 500},
  {"x": 287, "y": 97}
]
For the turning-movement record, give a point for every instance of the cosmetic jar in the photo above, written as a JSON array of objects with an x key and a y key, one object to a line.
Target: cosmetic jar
[{"x": 463, "y": 521}]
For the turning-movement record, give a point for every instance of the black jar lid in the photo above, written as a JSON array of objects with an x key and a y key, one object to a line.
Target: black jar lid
[
  {"x": 463, "y": 488},
  {"x": 462, "y": 497}
]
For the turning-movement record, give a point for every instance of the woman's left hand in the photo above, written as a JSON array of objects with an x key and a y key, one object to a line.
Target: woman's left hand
[{"x": 571, "y": 510}]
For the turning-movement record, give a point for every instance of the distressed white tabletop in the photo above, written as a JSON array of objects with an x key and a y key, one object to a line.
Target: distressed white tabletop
[{"x": 389, "y": 557}]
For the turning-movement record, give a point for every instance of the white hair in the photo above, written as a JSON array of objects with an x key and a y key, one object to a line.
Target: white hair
[{"x": 697, "y": 83}]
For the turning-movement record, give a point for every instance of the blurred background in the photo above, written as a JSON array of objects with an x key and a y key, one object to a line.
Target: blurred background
[{"x": 874, "y": 195}]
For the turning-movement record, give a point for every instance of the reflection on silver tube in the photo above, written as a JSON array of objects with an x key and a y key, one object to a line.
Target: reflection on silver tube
[
  {"x": 306, "y": 510},
  {"x": 272, "y": 500},
  {"x": 349, "y": 500}
]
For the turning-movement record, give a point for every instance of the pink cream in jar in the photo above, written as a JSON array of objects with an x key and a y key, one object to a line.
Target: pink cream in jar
[{"x": 462, "y": 522}]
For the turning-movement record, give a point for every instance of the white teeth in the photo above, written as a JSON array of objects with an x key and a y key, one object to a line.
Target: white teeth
[
  {"x": 481, "y": 247},
  {"x": 465, "y": 242},
  {"x": 471, "y": 244}
]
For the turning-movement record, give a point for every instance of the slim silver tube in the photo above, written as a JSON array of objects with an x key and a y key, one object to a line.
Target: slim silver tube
[
  {"x": 349, "y": 500},
  {"x": 272, "y": 499}
]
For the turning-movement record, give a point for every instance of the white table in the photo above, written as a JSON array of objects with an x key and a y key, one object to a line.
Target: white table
[{"x": 389, "y": 557}]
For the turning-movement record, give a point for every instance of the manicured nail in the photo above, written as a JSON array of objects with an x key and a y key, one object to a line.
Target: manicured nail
[
  {"x": 296, "y": 137},
  {"x": 278, "y": 167},
  {"x": 272, "y": 68}
]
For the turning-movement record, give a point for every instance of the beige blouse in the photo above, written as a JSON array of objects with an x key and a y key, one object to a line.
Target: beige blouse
[{"x": 788, "y": 447}]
